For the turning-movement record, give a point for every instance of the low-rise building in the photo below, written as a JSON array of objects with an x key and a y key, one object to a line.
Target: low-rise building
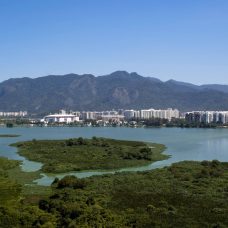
[
  {"x": 61, "y": 118},
  {"x": 114, "y": 117}
]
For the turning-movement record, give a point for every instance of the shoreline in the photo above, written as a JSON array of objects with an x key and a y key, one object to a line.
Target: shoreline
[{"x": 108, "y": 126}]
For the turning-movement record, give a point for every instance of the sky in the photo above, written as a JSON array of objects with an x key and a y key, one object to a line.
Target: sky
[{"x": 183, "y": 40}]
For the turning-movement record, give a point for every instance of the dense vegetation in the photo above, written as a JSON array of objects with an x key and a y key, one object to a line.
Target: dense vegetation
[
  {"x": 186, "y": 194},
  {"x": 13, "y": 211},
  {"x": 189, "y": 194},
  {"x": 86, "y": 154},
  {"x": 186, "y": 124},
  {"x": 9, "y": 189}
]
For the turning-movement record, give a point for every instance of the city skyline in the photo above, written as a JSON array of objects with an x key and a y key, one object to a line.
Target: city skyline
[{"x": 184, "y": 41}]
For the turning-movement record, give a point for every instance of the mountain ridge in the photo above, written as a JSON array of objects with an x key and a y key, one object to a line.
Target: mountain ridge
[{"x": 117, "y": 90}]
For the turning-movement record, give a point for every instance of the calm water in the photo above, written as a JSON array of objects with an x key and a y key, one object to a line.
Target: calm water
[{"x": 182, "y": 144}]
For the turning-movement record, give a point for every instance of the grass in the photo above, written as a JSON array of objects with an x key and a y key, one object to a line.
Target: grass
[{"x": 59, "y": 156}]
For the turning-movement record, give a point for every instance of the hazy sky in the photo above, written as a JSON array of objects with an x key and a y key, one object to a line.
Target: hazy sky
[{"x": 184, "y": 40}]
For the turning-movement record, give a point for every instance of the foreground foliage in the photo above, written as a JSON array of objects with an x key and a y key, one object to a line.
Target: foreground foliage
[
  {"x": 186, "y": 194},
  {"x": 9, "y": 189},
  {"x": 87, "y": 154},
  {"x": 13, "y": 211}
]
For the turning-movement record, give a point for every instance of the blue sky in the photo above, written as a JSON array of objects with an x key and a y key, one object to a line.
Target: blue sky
[{"x": 183, "y": 40}]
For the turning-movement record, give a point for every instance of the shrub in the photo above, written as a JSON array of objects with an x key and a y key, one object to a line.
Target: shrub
[
  {"x": 71, "y": 182},
  {"x": 215, "y": 163},
  {"x": 69, "y": 142},
  {"x": 205, "y": 163}
]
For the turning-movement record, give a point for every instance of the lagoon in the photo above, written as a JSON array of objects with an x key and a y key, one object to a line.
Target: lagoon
[{"x": 182, "y": 144}]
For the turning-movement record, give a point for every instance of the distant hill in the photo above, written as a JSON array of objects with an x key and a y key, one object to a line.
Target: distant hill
[
  {"x": 222, "y": 88},
  {"x": 116, "y": 90}
]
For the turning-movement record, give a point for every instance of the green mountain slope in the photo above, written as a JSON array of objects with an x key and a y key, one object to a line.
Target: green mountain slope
[{"x": 117, "y": 90}]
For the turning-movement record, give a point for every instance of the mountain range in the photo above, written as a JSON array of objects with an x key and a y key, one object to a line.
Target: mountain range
[{"x": 117, "y": 90}]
